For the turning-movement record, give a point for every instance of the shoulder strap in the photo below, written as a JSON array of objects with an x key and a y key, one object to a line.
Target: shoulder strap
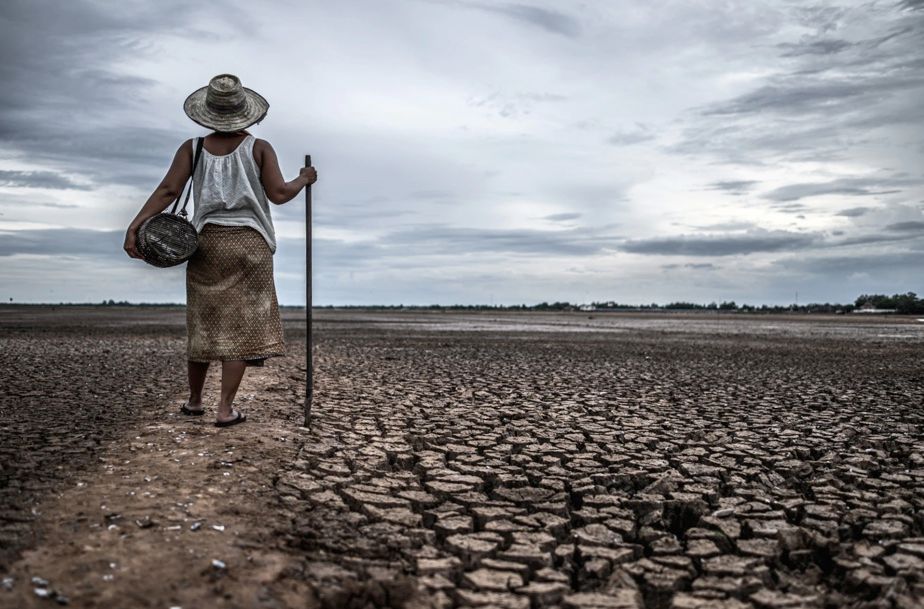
[{"x": 192, "y": 173}]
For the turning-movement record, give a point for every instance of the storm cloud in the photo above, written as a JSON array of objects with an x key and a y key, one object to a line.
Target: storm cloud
[
  {"x": 852, "y": 187},
  {"x": 721, "y": 244},
  {"x": 472, "y": 150}
]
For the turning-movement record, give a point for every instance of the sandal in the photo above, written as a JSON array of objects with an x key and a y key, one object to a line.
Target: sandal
[
  {"x": 193, "y": 412},
  {"x": 240, "y": 418}
]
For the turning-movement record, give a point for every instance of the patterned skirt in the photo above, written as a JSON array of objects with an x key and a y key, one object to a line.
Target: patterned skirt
[{"x": 231, "y": 307}]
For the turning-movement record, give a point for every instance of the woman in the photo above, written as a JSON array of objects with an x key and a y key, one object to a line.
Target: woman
[{"x": 232, "y": 314}]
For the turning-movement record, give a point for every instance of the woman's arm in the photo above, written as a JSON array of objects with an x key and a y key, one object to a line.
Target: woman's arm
[
  {"x": 277, "y": 189},
  {"x": 165, "y": 194}
]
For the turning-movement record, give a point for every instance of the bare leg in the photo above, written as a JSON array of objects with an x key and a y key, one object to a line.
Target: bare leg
[
  {"x": 231, "y": 374},
  {"x": 197, "y": 372}
]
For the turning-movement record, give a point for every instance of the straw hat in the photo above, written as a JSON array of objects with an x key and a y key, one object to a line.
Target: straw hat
[{"x": 224, "y": 105}]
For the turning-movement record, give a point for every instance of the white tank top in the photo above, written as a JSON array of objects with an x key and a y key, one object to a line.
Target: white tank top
[{"x": 227, "y": 190}]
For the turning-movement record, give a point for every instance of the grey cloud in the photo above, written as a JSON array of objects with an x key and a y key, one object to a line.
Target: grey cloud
[
  {"x": 63, "y": 242},
  {"x": 906, "y": 226},
  {"x": 874, "y": 239},
  {"x": 628, "y": 137},
  {"x": 690, "y": 265},
  {"x": 831, "y": 97},
  {"x": 732, "y": 225},
  {"x": 854, "y": 212},
  {"x": 757, "y": 241},
  {"x": 39, "y": 179},
  {"x": 419, "y": 245},
  {"x": 858, "y": 187},
  {"x": 562, "y": 216},
  {"x": 815, "y": 47},
  {"x": 62, "y": 83},
  {"x": 345, "y": 216},
  {"x": 443, "y": 239},
  {"x": 889, "y": 264},
  {"x": 790, "y": 208},
  {"x": 794, "y": 96},
  {"x": 430, "y": 194},
  {"x": 734, "y": 187},
  {"x": 721, "y": 244},
  {"x": 549, "y": 20},
  {"x": 513, "y": 105}
]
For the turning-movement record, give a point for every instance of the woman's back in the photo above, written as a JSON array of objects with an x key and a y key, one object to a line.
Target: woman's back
[
  {"x": 227, "y": 187},
  {"x": 223, "y": 143}
]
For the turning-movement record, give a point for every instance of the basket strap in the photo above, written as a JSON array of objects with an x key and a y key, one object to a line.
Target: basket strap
[{"x": 189, "y": 191}]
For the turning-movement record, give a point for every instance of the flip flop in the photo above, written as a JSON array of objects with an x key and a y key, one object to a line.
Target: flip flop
[
  {"x": 240, "y": 418},
  {"x": 191, "y": 412}
]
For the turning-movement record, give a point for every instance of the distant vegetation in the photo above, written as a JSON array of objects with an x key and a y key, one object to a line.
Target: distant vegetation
[
  {"x": 906, "y": 304},
  {"x": 902, "y": 303}
]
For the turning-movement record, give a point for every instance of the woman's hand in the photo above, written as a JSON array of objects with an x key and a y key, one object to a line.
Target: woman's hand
[
  {"x": 309, "y": 174},
  {"x": 131, "y": 242}
]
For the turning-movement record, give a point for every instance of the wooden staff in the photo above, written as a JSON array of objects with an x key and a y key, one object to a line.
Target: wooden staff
[{"x": 309, "y": 356}]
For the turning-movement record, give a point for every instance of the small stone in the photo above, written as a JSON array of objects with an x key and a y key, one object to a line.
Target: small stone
[
  {"x": 42, "y": 592},
  {"x": 195, "y": 526},
  {"x": 218, "y": 564}
]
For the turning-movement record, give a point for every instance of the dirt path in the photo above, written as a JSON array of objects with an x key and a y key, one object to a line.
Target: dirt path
[{"x": 178, "y": 513}]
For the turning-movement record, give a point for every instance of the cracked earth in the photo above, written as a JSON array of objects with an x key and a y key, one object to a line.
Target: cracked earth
[{"x": 470, "y": 460}]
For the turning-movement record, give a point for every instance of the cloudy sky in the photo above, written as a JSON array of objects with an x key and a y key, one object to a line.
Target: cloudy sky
[{"x": 481, "y": 151}]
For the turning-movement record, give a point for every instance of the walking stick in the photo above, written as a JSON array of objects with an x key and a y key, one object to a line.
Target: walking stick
[{"x": 309, "y": 356}]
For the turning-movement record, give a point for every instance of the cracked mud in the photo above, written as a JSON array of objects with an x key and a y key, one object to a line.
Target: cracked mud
[{"x": 463, "y": 460}]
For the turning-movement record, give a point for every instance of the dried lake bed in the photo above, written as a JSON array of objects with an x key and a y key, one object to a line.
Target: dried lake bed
[{"x": 469, "y": 459}]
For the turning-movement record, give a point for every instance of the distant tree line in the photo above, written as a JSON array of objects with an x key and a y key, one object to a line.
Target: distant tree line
[{"x": 907, "y": 304}]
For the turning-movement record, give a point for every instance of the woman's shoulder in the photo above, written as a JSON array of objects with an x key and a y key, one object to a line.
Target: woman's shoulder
[
  {"x": 261, "y": 148},
  {"x": 185, "y": 149}
]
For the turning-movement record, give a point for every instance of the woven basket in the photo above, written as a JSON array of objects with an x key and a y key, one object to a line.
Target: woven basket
[{"x": 167, "y": 240}]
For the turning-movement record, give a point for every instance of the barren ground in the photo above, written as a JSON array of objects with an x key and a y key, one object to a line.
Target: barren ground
[{"x": 503, "y": 460}]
